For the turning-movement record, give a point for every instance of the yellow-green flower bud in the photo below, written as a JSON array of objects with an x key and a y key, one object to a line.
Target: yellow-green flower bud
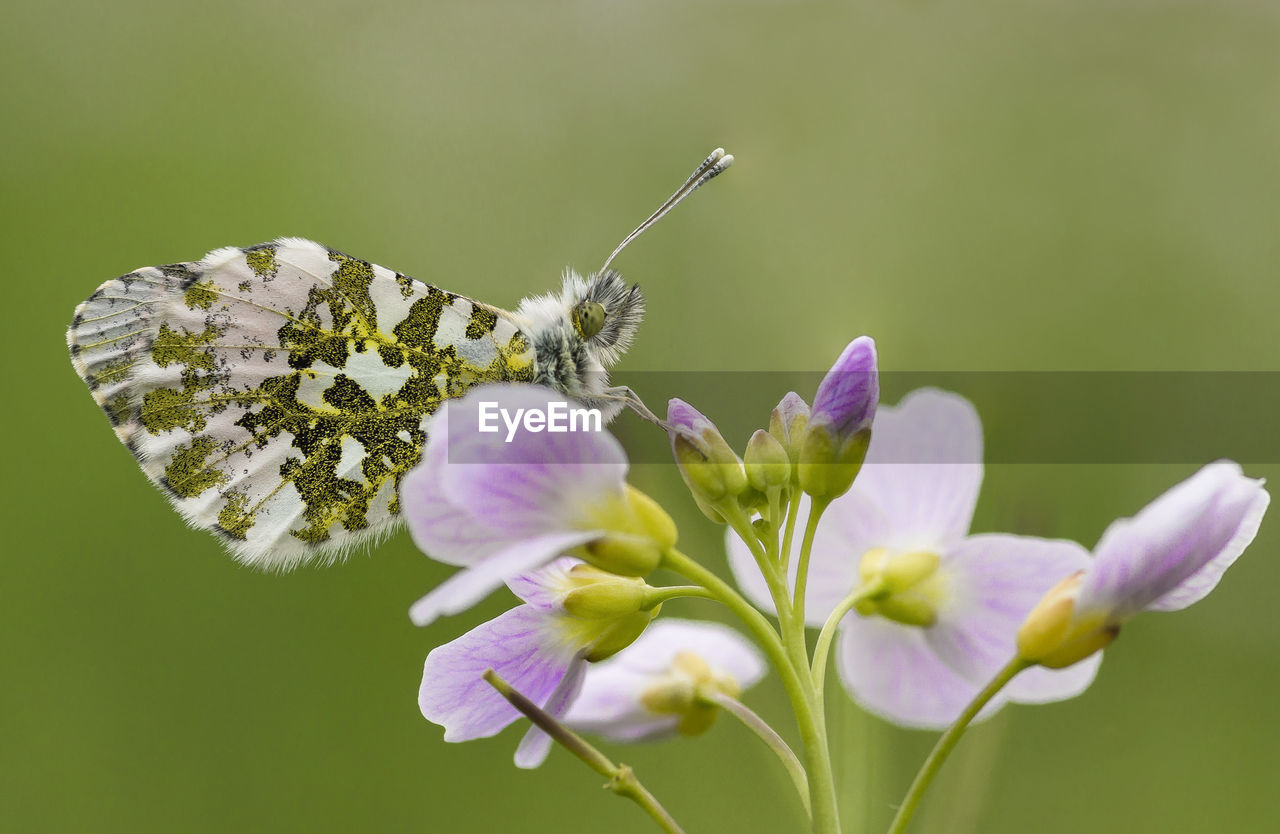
[
  {"x": 1053, "y": 636},
  {"x": 766, "y": 461}
]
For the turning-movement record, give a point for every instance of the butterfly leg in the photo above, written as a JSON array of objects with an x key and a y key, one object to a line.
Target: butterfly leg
[{"x": 632, "y": 400}]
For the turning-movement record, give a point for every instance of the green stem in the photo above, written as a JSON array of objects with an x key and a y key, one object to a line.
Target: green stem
[
  {"x": 795, "y": 680},
  {"x": 657, "y": 596},
  {"x": 771, "y": 739},
  {"x": 622, "y": 779},
  {"x": 793, "y": 507},
  {"x": 948, "y": 742},
  {"x": 816, "y": 508},
  {"x": 823, "y": 647},
  {"x": 777, "y": 582}
]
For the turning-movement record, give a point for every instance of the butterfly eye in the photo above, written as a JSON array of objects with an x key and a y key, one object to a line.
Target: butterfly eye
[{"x": 588, "y": 318}]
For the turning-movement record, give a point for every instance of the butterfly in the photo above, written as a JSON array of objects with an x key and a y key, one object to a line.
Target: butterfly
[{"x": 277, "y": 394}]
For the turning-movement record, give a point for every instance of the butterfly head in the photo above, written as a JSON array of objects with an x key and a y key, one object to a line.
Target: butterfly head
[{"x": 579, "y": 333}]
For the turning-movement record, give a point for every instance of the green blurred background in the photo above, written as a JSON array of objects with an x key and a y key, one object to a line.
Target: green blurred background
[{"x": 1053, "y": 184}]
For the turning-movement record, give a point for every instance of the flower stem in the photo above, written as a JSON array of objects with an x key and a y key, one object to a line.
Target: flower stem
[
  {"x": 948, "y": 742},
  {"x": 788, "y": 536},
  {"x": 816, "y": 509},
  {"x": 657, "y": 596},
  {"x": 771, "y": 739},
  {"x": 823, "y": 647},
  {"x": 795, "y": 679},
  {"x": 622, "y": 779}
]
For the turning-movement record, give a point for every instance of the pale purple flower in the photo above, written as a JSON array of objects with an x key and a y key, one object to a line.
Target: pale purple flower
[
  {"x": 1168, "y": 556},
  {"x": 497, "y": 508},
  {"x": 538, "y": 648},
  {"x": 620, "y": 696},
  {"x": 847, "y": 396},
  {"x": 919, "y": 657}
]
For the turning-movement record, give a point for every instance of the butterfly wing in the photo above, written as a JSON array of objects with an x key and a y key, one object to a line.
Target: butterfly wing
[{"x": 279, "y": 393}]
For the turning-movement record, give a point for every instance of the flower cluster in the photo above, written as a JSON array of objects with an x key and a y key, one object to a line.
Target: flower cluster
[{"x": 848, "y": 516}]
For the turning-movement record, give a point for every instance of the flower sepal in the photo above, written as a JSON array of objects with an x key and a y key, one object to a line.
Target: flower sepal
[
  {"x": 1054, "y": 637},
  {"x": 639, "y": 531},
  {"x": 622, "y": 633},
  {"x": 598, "y": 594},
  {"x": 828, "y": 462}
]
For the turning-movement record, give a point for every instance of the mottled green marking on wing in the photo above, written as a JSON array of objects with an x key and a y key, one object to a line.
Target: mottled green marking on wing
[
  {"x": 262, "y": 260},
  {"x": 187, "y": 473},
  {"x": 338, "y": 320},
  {"x": 482, "y": 322},
  {"x": 201, "y": 295}
]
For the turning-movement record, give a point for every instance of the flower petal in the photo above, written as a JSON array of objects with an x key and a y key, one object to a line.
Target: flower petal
[
  {"x": 539, "y": 480},
  {"x": 536, "y": 744},
  {"x": 610, "y": 701},
  {"x": 518, "y": 646},
  {"x": 474, "y": 493},
  {"x": 994, "y": 581},
  {"x": 543, "y": 588},
  {"x": 924, "y": 468},
  {"x": 440, "y": 528},
  {"x": 890, "y": 670},
  {"x": 470, "y": 585},
  {"x": 1175, "y": 550}
]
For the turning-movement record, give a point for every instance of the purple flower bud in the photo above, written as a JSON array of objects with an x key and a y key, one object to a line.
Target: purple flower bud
[
  {"x": 788, "y": 422},
  {"x": 709, "y": 467},
  {"x": 848, "y": 394}
]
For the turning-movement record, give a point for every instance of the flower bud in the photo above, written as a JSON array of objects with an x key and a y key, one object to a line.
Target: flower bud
[
  {"x": 709, "y": 467},
  {"x": 787, "y": 424},
  {"x": 766, "y": 461},
  {"x": 1053, "y": 636},
  {"x": 847, "y": 396}
]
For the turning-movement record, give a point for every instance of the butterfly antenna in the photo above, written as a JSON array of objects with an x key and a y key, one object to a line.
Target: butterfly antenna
[{"x": 710, "y": 168}]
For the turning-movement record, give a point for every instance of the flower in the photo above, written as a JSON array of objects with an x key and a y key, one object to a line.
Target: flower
[
  {"x": 839, "y": 425},
  {"x": 663, "y": 683},
  {"x": 940, "y": 608},
  {"x": 1168, "y": 556},
  {"x": 540, "y": 648},
  {"x": 499, "y": 505}
]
